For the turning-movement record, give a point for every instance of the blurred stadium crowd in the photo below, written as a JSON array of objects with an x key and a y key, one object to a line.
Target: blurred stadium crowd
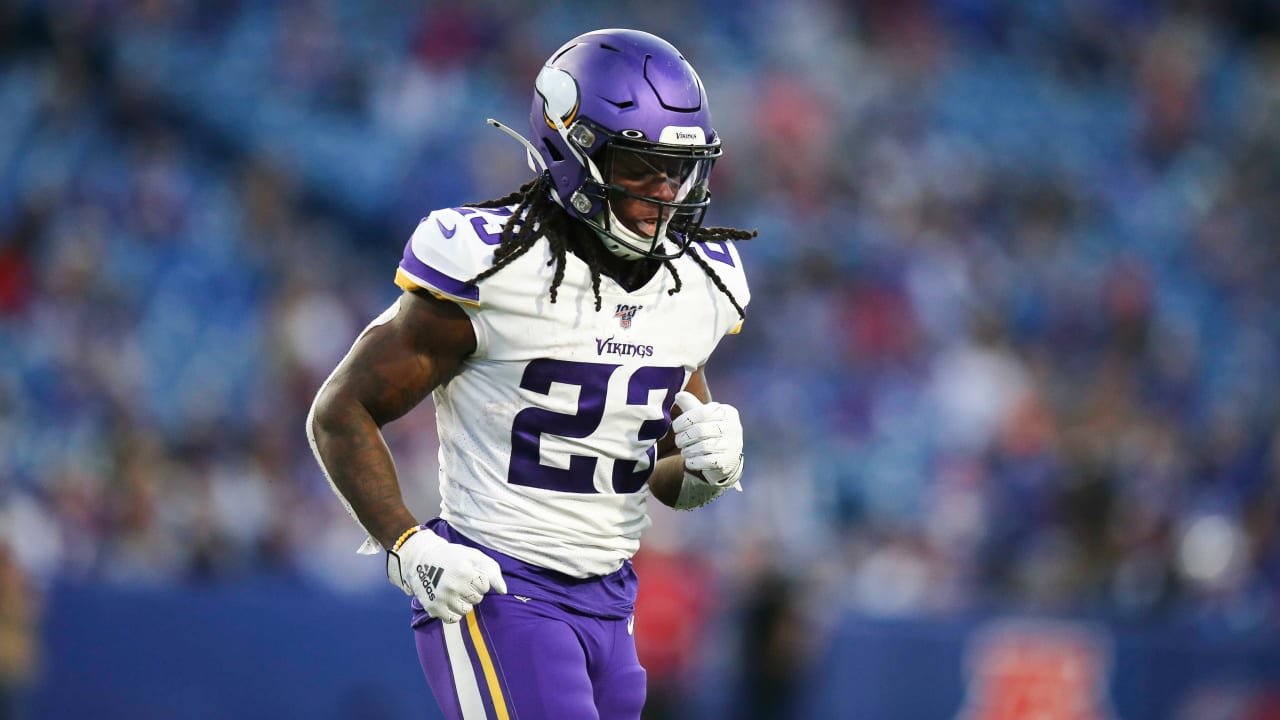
[{"x": 1014, "y": 336}]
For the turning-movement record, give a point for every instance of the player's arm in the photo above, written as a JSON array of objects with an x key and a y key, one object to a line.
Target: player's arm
[
  {"x": 389, "y": 370},
  {"x": 702, "y": 454}
]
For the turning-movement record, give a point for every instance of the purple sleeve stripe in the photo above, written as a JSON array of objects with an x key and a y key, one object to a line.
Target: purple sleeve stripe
[
  {"x": 438, "y": 280},
  {"x": 717, "y": 250}
]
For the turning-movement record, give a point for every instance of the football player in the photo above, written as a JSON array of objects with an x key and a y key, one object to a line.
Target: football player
[{"x": 563, "y": 333}]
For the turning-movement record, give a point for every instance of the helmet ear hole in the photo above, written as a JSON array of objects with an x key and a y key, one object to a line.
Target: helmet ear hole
[{"x": 552, "y": 150}]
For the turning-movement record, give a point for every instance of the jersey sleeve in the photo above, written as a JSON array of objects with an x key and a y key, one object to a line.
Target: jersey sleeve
[
  {"x": 723, "y": 257},
  {"x": 448, "y": 248}
]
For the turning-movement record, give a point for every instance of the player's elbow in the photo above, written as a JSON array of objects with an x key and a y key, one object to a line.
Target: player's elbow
[
  {"x": 339, "y": 411},
  {"x": 325, "y": 415}
]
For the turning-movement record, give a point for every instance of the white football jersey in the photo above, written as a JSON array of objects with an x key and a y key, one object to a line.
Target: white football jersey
[{"x": 547, "y": 433}]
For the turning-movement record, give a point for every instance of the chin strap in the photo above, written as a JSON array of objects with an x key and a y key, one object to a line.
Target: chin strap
[{"x": 611, "y": 243}]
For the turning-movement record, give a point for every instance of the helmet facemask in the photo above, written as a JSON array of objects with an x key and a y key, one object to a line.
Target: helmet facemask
[{"x": 647, "y": 193}]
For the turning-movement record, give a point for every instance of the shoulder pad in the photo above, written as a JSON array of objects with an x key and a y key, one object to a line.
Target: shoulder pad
[
  {"x": 722, "y": 256},
  {"x": 450, "y": 247}
]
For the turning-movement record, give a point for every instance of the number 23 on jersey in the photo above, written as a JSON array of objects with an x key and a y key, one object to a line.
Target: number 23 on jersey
[{"x": 592, "y": 380}]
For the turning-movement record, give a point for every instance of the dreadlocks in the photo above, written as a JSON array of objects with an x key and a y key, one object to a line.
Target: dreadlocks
[{"x": 537, "y": 215}]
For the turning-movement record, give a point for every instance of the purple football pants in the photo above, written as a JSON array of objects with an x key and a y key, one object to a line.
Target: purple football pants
[{"x": 532, "y": 660}]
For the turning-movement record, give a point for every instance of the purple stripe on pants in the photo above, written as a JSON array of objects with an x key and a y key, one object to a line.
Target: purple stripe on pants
[{"x": 482, "y": 679}]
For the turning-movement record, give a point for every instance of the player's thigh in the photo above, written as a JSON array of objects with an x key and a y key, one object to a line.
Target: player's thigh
[
  {"x": 619, "y": 678},
  {"x": 507, "y": 658}
]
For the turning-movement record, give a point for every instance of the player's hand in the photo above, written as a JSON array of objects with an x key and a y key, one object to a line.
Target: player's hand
[
  {"x": 447, "y": 578},
  {"x": 710, "y": 439}
]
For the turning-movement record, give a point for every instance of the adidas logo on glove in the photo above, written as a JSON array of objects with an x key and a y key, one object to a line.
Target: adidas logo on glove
[
  {"x": 447, "y": 579},
  {"x": 430, "y": 577}
]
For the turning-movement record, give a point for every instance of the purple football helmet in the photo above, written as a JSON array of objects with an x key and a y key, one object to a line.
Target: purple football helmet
[{"x": 619, "y": 116}]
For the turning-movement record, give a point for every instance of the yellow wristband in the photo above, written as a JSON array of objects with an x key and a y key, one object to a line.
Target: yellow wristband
[{"x": 405, "y": 536}]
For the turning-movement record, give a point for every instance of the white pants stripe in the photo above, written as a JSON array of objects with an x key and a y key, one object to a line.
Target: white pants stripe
[{"x": 464, "y": 675}]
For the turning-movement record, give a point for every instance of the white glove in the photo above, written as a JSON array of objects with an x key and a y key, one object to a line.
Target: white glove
[
  {"x": 710, "y": 439},
  {"x": 447, "y": 578}
]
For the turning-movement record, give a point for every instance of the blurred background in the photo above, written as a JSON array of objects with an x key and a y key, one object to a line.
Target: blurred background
[{"x": 1010, "y": 377}]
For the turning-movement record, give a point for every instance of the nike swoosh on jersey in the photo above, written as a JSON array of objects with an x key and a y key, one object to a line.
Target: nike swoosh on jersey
[{"x": 446, "y": 231}]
